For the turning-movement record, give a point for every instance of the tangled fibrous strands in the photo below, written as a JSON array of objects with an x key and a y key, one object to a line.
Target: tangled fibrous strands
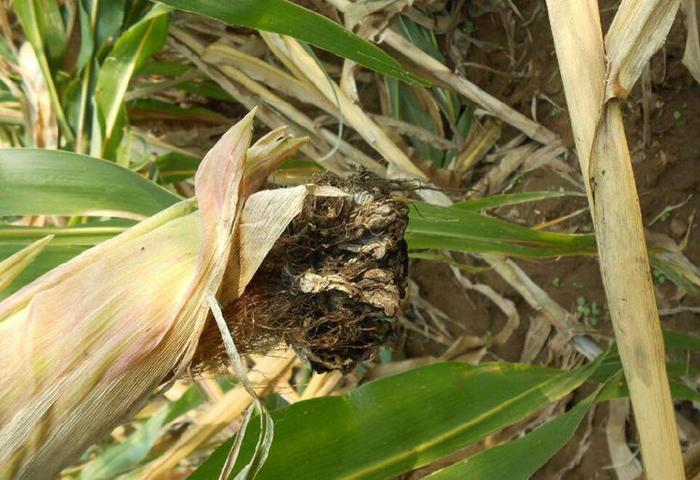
[{"x": 331, "y": 285}]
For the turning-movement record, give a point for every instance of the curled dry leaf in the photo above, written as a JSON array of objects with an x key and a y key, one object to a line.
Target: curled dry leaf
[
  {"x": 638, "y": 30},
  {"x": 624, "y": 461}
]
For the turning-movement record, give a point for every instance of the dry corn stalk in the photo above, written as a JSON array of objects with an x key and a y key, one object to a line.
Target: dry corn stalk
[
  {"x": 597, "y": 76},
  {"x": 85, "y": 345}
]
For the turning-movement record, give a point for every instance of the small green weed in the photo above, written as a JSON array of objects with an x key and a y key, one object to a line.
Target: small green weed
[
  {"x": 659, "y": 276},
  {"x": 590, "y": 311}
]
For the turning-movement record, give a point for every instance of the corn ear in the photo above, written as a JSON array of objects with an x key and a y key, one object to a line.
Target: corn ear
[{"x": 86, "y": 344}]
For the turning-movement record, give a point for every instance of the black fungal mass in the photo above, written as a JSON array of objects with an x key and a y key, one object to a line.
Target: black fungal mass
[{"x": 331, "y": 285}]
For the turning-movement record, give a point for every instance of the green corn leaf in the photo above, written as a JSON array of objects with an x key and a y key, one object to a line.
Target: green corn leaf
[
  {"x": 412, "y": 112},
  {"x": 506, "y": 199},
  {"x": 425, "y": 39},
  {"x": 176, "y": 166},
  {"x": 681, "y": 340},
  {"x": 65, "y": 243},
  {"x": 13, "y": 266},
  {"x": 679, "y": 391},
  {"x": 206, "y": 89},
  {"x": 157, "y": 110},
  {"x": 520, "y": 459},
  {"x": 454, "y": 228},
  {"x": 281, "y": 16},
  {"x": 6, "y": 52},
  {"x": 676, "y": 272},
  {"x": 51, "y": 182},
  {"x": 53, "y": 32},
  {"x": 130, "y": 52},
  {"x": 165, "y": 69},
  {"x": 88, "y": 235},
  {"x": 462, "y": 228},
  {"x": 87, "y": 37},
  {"x": 109, "y": 16},
  {"x": 49, "y": 258},
  {"x": 400, "y": 423}
]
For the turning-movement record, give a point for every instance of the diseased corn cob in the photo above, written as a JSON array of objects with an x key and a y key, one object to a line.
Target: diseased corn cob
[{"x": 329, "y": 286}]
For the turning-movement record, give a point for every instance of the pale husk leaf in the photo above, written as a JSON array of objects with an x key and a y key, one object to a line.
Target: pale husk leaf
[
  {"x": 70, "y": 351},
  {"x": 86, "y": 344}
]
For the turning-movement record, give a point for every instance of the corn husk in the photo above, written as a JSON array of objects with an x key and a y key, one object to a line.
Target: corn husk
[{"x": 84, "y": 346}]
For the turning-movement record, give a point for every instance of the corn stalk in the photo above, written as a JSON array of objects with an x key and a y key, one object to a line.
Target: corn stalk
[{"x": 597, "y": 75}]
